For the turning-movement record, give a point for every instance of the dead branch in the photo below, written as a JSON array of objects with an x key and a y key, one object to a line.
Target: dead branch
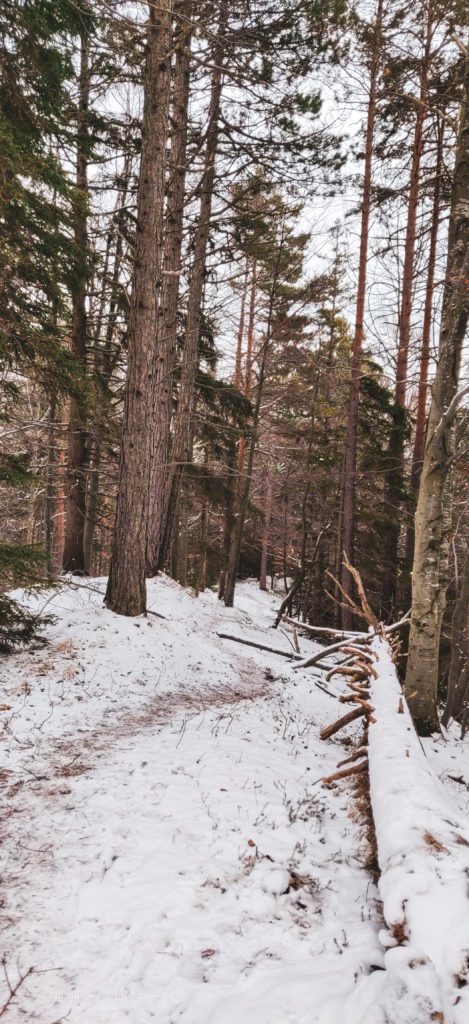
[
  {"x": 361, "y": 752},
  {"x": 321, "y": 629},
  {"x": 366, "y": 607},
  {"x": 260, "y": 647},
  {"x": 12, "y": 989},
  {"x": 345, "y": 772},
  {"x": 320, "y": 655},
  {"x": 334, "y": 727}
]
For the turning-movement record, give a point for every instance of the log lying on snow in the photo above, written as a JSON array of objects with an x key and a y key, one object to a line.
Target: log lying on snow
[{"x": 423, "y": 854}]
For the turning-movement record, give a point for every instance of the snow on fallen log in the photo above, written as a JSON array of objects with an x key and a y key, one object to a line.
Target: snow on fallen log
[{"x": 423, "y": 853}]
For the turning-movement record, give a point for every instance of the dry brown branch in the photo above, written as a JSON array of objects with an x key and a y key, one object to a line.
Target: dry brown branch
[
  {"x": 345, "y": 772},
  {"x": 360, "y": 752},
  {"x": 350, "y": 698},
  {"x": 351, "y": 649},
  {"x": 344, "y": 634},
  {"x": 346, "y": 670},
  {"x": 366, "y": 607},
  {"x": 334, "y": 727}
]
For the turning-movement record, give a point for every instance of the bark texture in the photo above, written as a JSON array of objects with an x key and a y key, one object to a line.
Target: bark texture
[
  {"x": 266, "y": 536},
  {"x": 73, "y": 552},
  {"x": 181, "y": 443},
  {"x": 166, "y": 332},
  {"x": 421, "y": 416},
  {"x": 395, "y": 486},
  {"x": 428, "y": 583},
  {"x": 126, "y": 590}
]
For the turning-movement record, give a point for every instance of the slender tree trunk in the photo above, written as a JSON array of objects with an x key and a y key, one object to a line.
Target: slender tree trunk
[
  {"x": 49, "y": 499},
  {"x": 419, "y": 440},
  {"x": 73, "y": 554},
  {"x": 266, "y": 536},
  {"x": 231, "y": 478},
  {"x": 395, "y": 482},
  {"x": 183, "y": 545},
  {"x": 166, "y": 333},
  {"x": 347, "y": 517},
  {"x": 182, "y": 421},
  {"x": 458, "y": 678},
  {"x": 126, "y": 590},
  {"x": 60, "y": 510},
  {"x": 237, "y": 536},
  {"x": 247, "y": 382},
  {"x": 239, "y": 341},
  {"x": 428, "y": 584},
  {"x": 203, "y": 550}
]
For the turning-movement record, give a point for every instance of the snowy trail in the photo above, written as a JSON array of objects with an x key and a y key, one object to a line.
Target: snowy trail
[{"x": 180, "y": 864}]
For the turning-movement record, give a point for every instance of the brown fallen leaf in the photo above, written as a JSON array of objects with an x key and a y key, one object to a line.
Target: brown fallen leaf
[
  {"x": 207, "y": 953},
  {"x": 251, "y": 842}
]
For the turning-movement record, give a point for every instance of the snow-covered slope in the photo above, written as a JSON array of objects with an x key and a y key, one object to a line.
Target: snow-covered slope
[{"x": 169, "y": 854}]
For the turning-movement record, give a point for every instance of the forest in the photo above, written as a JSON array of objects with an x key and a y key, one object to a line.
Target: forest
[{"x": 234, "y": 382}]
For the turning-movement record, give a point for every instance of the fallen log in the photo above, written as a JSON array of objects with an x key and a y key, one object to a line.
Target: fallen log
[
  {"x": 423, "y": 854},
  {"x": 334, "y": 727}
]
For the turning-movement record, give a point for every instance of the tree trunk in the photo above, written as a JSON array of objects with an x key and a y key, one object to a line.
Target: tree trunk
[
  {"x": 231, "y": 478},
  {"x": 395, "y": 482},
  {"x": 126, "y": 590},
  {"x": 180, "y": 454},
  {"x": 428, "y": 585},
  {"x": 73, "y": 554},
  {"x": 106, "y": 354},
  {"x": 266, "y": 536},
  {"x": 49, "y": 489},
  {"x": 247, "y": 381},
  {"x": 166, "y": 333},
  {"x": 419, "y": 440},
  {"x": 183, "y": 545},
  {"x": 458, "y": 679},
  {"x": 347, "y": 516},
  {"x": 237, "y": 536}
]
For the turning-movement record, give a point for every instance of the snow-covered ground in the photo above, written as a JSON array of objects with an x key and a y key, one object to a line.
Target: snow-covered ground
[{"x": 169, "y": 853}]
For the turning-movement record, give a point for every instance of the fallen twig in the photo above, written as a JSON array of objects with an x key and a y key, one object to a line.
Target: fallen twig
[{"x": 260, "y": 647}]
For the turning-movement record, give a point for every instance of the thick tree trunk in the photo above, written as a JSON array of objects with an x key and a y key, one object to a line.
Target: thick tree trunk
[
  {"x": 347, "y": 515},
  {"x": 395, "y": 483},
  {"x": 166, "y": 333},
  {"x": 73, "y": 553},
  {"x": 458, "y": 678},
  {"x": 266, "y": 536},
  {"x": 126, "y": 590},
  {"x": 428, "y": 585},
  {"x": 180, "y": 454}
]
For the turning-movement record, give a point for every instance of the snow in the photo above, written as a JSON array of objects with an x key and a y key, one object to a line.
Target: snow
[
  {"x": 423, "y": 848},
  {"x": 169, "y": 853}
]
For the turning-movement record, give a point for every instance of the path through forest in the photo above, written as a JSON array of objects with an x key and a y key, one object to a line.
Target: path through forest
[{"x": 170, "y": 853}]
